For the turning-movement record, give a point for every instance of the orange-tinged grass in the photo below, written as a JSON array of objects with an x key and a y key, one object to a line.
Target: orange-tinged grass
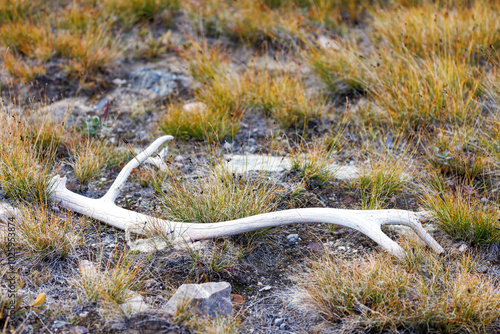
[
  {"x": 458, "y": 33},
  {"x": 419, "y": 293}
]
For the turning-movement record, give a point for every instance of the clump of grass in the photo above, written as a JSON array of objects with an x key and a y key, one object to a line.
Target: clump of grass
[
  {"x": 379, "y": 182},
  {"x": 217, "y": 116},
  {"x": 113, "y": 285},
  {"x": 87, "y": 52},
  {"x": 205, "y": 63},
  {"x": 214, "y": 258},
  {"x": 42, "y": 234},
  {"x": 219, "y": 196},
  {"x": 313, "y": 162},
  {"x": 450, "y": 32},
  {"x": 462, "y": 215},
  {"x": 46, "y": 132},
  {"x": 130, "y": 12},
  {"x": 285, "y": 98},
  {"x": 414, "y": 93},
  {"x": 24, "y": 71},
  {"x": 79, "y": 33},
  {"x": 28, "y": 39},
  {"x": 250, "y": 22},
  {"x": 25, "y": 174},
  {"x": 462, "y": 152},
  {"x": 186, "y": 316},
  {"x": 340, "y": 68},
  {"x": 88, "y": 158},
  {"x": 384, "y": 294},
  {"x": 16, "y": 10},
  {"x": 152, "y": 47}
]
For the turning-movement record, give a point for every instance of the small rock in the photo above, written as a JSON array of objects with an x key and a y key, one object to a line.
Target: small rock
[
  {"x": 292, "y": 238},
  {"x": 462, "y": 248},
  {"x": 266, "y": 288},
  {"x": 342, "y": 248},
  {"x": 119, "y": 82},
  {"x": 195, "y": 107},
  {"x": 134, "y": 304},
  {"x": 160, "y": 82},
  {"x": 78, "y": 330},
  {"x": 284, "y": 327},
  {"x": 315, "y": 246},
  {"x": 60, "y": 324},
  {"x": 278, "y": 321},
  {"x": 83, "y": 314},
  {"x": 237, "y": 299},
  {"x": 209, "y": 298}
]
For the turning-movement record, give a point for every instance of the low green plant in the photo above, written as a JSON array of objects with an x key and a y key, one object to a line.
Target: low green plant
[
  {"x": 214, "y": 258},
  {"x": 93, "y": 125},
  {"x": 462, "y": 215},
  {"x": 219, "y": 196},
  {"x": 313, "y": 162},
  {"x": 379, "y": 182}
]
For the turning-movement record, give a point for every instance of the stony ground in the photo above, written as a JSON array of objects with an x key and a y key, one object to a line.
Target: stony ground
[{"x": 133, "y": 95}]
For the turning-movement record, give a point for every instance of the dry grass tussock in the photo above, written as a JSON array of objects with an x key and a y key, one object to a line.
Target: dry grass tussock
[
  {"x": 413, "y": 93},
  {"x": 418, "y": 294},
  {"x": 112, "y": 285},
  {"x": 42, "y": 234},
  {"x": 219, "y": 196},
  {"x": 25, "y": 169}
]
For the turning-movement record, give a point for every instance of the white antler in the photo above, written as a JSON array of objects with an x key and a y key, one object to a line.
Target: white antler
[{"x": 104, "y": 209}]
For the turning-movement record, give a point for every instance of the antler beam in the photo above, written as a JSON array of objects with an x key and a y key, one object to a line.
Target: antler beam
[{"x": 368, "y": 222}]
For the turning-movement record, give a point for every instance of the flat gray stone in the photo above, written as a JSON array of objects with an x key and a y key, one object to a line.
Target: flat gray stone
[
  {"x": 267, "y": 163},
  {"x": 160, "y": 82},
  {"x": 257, "y": 162},
  {"x": 211, "y": 299}
]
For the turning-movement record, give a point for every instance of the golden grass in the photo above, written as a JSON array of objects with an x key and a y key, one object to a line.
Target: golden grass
[
  {"x": 88, "y": 159},
  {"x": 381, "y": 181},
  {"x": 463, "y": 152},
  {"x": 419, "y": 293},
  {"x": 248, "y": 21},
  {"x": 111, "y": 286},
  {"x": 42, "y": 234},
  {"x": 130, "y": 12},
  {"x": 285, "y": 98},
  {"x": 461, "y": 212},
  {"x": 413, "y": 93},
  {"x": 24, "y": 171},
  {"x": 459, "y": 33},
  {"x": 219, "y": 196},
  {"x": 25, "y": 71},
  {"x": 218, "y": 112},
  {"x": 313, "y": 161}
]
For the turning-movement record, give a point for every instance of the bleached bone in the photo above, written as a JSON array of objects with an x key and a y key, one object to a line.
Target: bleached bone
[{"x": 368, "y": 222}]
